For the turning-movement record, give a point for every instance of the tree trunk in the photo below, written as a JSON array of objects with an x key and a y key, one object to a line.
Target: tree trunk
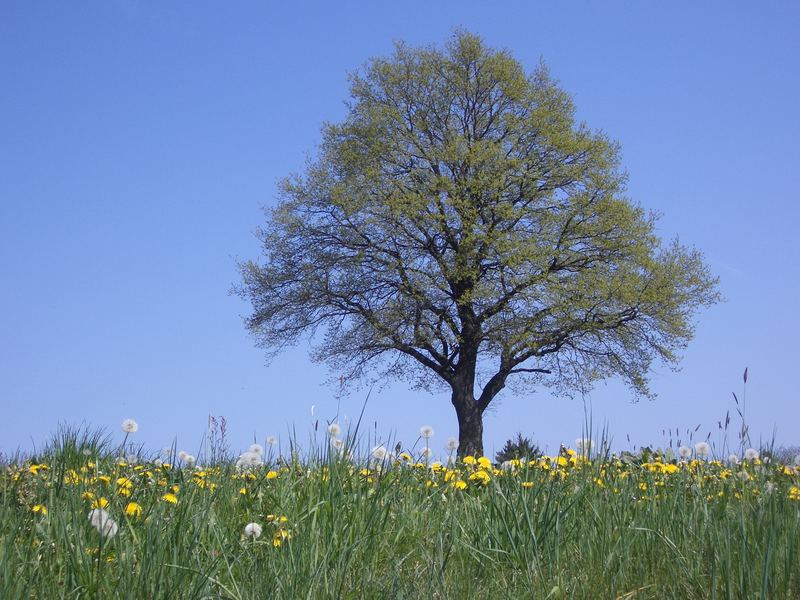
[{"x": 470, "y": 421}]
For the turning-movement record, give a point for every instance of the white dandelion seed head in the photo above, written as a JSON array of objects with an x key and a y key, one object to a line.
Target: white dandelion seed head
[
  {"x": 130, "y": 426},
  {"x": 684, "y": 452},
  {"x": 744, "y": 475},
  {"x": 583, "y": 445},
  {"x": 131, "y": 459},
  {"x": 158, "y": 462},
  {"x": 769, "y": 487},
  {"x": 379, "y": 452},
  {"x": 797, "y": 460},
  {"x": 86, "y": 451},
  {"x": 190, "y": 460},
  {"x": 272, "y": 440},
  {"x": 426, "y": 431},
  {"x": 733, "y": 459},
  {"x": 337, "y": 443},
  {"x": 334, "y": 430},
  {"x": 766, "y": 460},
  {"x": 252, "y": 530},
  {"x": 751, "y": 454},
  {"x": 167, "y": 452},
  {"x": 702, "y": 449},
  {"x": 248, "y": 460},
  {"x": 426, "y": 453},
  {"x": 102, "y": 521},
  {"x": 452, "y": 444},
  {"x": 256, "y": 449},
  {"x": 182, "y": 455}
]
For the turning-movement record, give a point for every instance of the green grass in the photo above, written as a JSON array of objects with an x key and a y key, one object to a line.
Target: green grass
[{"x": 587, "y": 529}]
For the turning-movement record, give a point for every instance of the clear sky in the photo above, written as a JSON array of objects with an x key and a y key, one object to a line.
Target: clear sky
[{"x": 139, "y": 141}]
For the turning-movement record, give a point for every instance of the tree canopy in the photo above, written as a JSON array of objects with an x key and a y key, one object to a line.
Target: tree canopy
[{"x": 460, "y": 229}]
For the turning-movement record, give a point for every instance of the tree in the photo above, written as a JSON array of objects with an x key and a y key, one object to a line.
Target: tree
[{"x": 459, "y": 230}]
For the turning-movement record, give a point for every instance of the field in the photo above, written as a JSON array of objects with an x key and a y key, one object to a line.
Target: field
[{"x": 78, "y": 521}]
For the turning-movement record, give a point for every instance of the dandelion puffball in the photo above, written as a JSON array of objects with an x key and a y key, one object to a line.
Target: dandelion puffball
[
  {"x": 684, "y": 452},
  {"x": 256, "y": 449},
  {"x": 379, "y": 452},
  {"x": 102, "y": 521},
  {"x": 702, "y": 449},
  {"x": 334, "y": 430},
  {"x": 337, "y": 443},
  {"x": 130, "y": 426},
  {"x": 190, "y": 460},
  {"x": 751, "y": 454},
  {"x": 452, "y": 444},
  {"x": 252, "y": 530},
  {"x": 426, "y": 431},
  {"x": 182, "y": 455},
  {"x": 733, "y": 459},
  {"x": 272, "y": 440}
]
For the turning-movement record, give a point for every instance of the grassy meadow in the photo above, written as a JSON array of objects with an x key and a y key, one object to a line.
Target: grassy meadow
[{"x": 78, "y": 521}]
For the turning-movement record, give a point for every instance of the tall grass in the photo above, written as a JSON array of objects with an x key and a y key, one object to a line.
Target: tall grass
[{"x": 577, "y": 528}]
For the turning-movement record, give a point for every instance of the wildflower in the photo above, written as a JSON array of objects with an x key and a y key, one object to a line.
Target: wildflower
[
  {"x": 182, "y": 455},
  {"x": 334, "y": 430},
  {"x": 794, "y": 493},
  {"x": 248, "y": 460},
  {"x": 130, "y": 426},
  {"x": 733, "y": 459},
  {"x": 133, "y": 509},
  {"x": 102, "y": 521},
  {"x": 426, "y": 453},
  {"x": 272, "y": 440},
  {"x": 170, "y": 497},
  {"x": 684, "y": 452},
  {"x": 280, "y": 536},
  {"x": 751, "y": 454},
  {"x": 252, "y": 530},
  {"x": 131, "y": 459},
  {"x": 167, "y": 452},
  {"x": 452, "y": 444},
  {"x": 272, "y": 474},
  {"x": 484, "y": 463},
  {"x": 379, "y": 452},
  {"x": 86, "y": 451},
  {"x": 255, "y": 449},
  {"x": 40, "y": 509},
  {"x": 469, "y": 460},
  {"x": 702, "y": 449},
  {"x": 527, "y": 484},
  {"x": 481, "y": 476},
  {"x": 583, "y": 445},
  {"x": 337, "y": 443},
  {"x": 100, "y": 503},
  {"x": 426, "y": 431},
  {"x": 190, "y": 460}
]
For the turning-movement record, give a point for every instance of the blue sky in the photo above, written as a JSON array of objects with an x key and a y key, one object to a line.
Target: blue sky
[{"x": 139, "y": 141}]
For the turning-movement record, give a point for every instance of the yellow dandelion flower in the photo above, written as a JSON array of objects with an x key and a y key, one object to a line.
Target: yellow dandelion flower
[
  {"x": 272, "y": 474},
  {"x": 243, "y": 491},
  {"x": 459, "y": 485},
  {"x": 794, "y": 493},
  {"x": 280, "y": 536},
  {"x": 40, "y": 509},
  {"x": 169, "y": 497},
  {"x": 527, "y": 484},
  {"x": 484, "y": 463},
  {"x": 87, "y": 496},
  {"x": 133, "y": 509},
  {"x": 100, "y": 503},
  {"x": 480, "y": 476}
]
